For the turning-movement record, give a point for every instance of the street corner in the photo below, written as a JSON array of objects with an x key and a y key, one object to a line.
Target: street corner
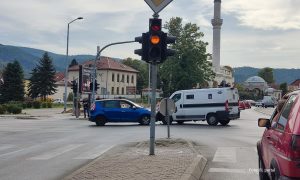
[{"x": 173, "y": 159}]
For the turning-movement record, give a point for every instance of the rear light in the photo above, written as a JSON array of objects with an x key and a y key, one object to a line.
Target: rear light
[
  {"x": 296, "y": 143},
  {"x": 226, "y": 106},
  {"x": 93, "y": 106}
]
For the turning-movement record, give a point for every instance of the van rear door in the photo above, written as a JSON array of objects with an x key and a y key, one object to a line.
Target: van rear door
[{"x": 233, "y": 98}]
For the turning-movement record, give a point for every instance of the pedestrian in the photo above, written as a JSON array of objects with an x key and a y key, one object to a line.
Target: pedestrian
[{"x": 86, "y": 108}]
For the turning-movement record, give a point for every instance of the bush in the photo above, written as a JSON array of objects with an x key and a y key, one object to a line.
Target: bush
[
  {"x": 44, "y": 104},
  {"x": 24, "y": 105},
  {"x": 29, "y": 104},
  {"x": 14, "y": 108},
  {"x": 36, "y": 104},
  {"x": 49, "y": 104},
  {"x": 2, "y": 109}
]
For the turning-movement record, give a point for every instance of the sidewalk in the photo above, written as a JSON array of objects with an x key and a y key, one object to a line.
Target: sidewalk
[
  {"x": 173, "y": 159},
  {"x": 266, "y": 111}
]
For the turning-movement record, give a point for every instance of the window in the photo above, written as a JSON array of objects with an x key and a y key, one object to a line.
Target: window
[
  {"x": 283, "y": 119},
  {"x": 125, "y": 104},
  {"x": 122, "y": 80},
  {"x": 190, "y": 96},
  {"x": 209, "y": 96},
  {"x": 118, "y": 78},
  {"x": 127, "y": 78},
  {"x": 117, "y": 90},
  {"x": 112, "y": 90},
  {"x": 132, "y": 79},
  {"x": 122, "y": 91},
  {"x": 112, "y": 104},
  {"x": 113, "y": 77},
  {"x": 176, "y": 97}
]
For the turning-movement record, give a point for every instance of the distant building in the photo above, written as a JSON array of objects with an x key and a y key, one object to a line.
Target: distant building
[
  {"x": 114, "y": 78},
  {"x": 294, "y": 85}
]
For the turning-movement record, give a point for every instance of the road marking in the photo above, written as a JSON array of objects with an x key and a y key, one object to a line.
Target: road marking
[
  {"x": 225, "y": 154},
  {"x": 7, "y": 146},
  {"x": 56, "y": 152},
  {"x": 94, "y": 153}
]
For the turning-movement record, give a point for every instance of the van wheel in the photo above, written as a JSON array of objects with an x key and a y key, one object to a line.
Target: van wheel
[
  {"x": 212, "y": 120},
  {"x": 225, "y": 122},
  {"x": 145, "y": 120},
  {"x": 165, "y": 122},
  {"x": 100, "y": 121}
]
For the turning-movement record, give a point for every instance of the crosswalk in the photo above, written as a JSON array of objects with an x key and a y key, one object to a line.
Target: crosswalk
[{"x": 40, "y": 152}]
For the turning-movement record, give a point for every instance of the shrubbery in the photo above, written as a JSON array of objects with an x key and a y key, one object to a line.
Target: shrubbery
[
  {"x": 2, "y": 109},
  {"x": 14, "y": 108},
  {"x": 36, "y": 104}
]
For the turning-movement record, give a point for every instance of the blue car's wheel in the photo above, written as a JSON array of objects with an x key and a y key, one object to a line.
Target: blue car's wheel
[
  {"x": 100, "y": 121},
  {"x": 145, "y": 120}
]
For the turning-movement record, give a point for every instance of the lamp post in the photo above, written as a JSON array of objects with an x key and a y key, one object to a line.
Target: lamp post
[{"x": 67, "y": 63}]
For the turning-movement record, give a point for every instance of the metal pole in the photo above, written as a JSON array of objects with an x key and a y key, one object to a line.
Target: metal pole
[
  {"x": 149, "y": 84},
  {"x": 67, "y": 63},
  {"x": 153, "y": 104},
  {"x": 66, "y": 72},
  {"x": 168, "y": 118}
]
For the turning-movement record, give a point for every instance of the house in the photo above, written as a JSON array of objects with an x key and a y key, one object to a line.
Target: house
[
  {"x": 114, "y": 78},
  {"x": 294, "y": 85}
]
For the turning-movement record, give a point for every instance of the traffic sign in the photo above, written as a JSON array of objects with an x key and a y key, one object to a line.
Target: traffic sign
[
  {"x": 158, "y": 5},
  {"x": 167, "y": 106}
]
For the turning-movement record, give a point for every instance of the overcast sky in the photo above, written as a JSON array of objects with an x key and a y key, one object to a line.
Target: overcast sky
[{"x": 254, "y": 33}]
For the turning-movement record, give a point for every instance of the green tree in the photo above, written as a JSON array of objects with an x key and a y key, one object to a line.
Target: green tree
[
  {"x": 43, "y": 78},
  {"x": 284, "y": 88},
  {"x": 189, "y": 66},
  {"x": 142, "y": 76},
  {"x": 267, "y": 74},
  {"x": 12, "y": 85}
]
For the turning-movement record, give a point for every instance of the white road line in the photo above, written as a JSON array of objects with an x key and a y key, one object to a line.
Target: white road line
[
  {"x": 56, "y": 152},
  {"x": 94, "y": 153},
  {"x": 225, "y": 170},
  {"x": 7, "y": 146},
  {"x": 225, "y": 154}
]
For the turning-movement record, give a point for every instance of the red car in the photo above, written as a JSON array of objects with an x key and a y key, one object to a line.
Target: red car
[
  {"x": 247, "y": 104},
  {"x": 279, "y": 148},
  {"x": 242, "y": 105}
]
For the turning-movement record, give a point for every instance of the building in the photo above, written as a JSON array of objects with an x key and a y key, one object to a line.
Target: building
[
  {"x": 223, "y": 73},
  {"x": 294, "y": 85},
  {"x": 114, "y": 78}
]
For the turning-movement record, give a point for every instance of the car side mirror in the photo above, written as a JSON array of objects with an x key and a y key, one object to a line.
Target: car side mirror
[{"x": 263, "y": 122}]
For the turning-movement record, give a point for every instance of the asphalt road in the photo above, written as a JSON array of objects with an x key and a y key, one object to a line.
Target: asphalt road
[{"x": 50, "y": 145}]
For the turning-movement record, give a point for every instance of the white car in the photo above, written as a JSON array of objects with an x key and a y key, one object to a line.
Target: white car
[{"x": 58, "y": 101}]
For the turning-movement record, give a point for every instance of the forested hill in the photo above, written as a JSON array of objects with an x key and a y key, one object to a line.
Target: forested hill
[{"x": 280, "y": 75}]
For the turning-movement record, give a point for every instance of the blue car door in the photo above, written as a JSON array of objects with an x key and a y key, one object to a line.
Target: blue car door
[
  {"x": 112, "y": 111},
  {"x": 129, "y": 112}
]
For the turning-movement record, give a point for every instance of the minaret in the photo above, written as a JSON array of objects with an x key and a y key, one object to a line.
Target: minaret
[{"x": 217, "y": 23}]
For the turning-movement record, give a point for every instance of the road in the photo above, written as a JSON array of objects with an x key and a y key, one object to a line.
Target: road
[{"x": 51, "y": 145}]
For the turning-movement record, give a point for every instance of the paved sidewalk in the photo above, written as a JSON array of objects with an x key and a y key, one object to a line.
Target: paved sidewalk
[
  {"x": 266, "y": 111},
  {"x": 173, "y": 159}
]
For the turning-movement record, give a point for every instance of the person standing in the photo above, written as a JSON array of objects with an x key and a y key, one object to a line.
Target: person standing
[{"x": 86, "y": 108}]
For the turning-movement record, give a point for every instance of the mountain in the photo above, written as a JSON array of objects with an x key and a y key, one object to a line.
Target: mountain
[
  {"x": 280, "y": 75},
  {"x": 29, "y": 57}
]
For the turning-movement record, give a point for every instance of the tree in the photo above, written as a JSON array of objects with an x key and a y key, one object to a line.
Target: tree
[
  {"x": 267, "y": 74},
  {"x": 284, "y": 88},
  {"x": 12, "y": 85},
  {"x": 43, "y": 78},
  {"x": 142, "y": 76},
  {"x": 189, "y": 66}
]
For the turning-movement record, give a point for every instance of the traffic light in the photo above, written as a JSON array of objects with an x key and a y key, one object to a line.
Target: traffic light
[
  {"x": 145, "y": 46},
  {"x": 74, "y": 86},
  {"x": 91, "y": 86},
  {"x": 155, "y": 40},
  {"x": 165, "y": 51}
]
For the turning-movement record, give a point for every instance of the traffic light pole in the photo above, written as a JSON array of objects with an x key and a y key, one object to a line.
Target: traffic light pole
[{"x": 94, "y": 69}]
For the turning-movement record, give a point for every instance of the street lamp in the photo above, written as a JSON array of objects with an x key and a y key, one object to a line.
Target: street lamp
[{"x": 67, "y": 63}]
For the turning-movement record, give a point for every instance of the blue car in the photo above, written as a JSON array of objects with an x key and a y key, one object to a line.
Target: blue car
[{"x": 118, "y": 110}]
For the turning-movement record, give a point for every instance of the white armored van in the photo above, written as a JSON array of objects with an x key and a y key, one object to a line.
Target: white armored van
[{"x": 215, "y": 105}]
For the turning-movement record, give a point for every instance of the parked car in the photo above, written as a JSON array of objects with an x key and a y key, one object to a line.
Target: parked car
[
  {"x": 279, "y": 148},
  {"x": 247, "y": 105},
  {"x": 59, "y": 101},
  {"x": 268, "y": 101},
  {"x": 242, "y": 105},
  {"x": 118, "y": 110},
  {"x": 259, "y": 103}
]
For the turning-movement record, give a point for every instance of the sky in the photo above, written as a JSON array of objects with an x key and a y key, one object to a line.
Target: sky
[{"x": 254, "y": 33}]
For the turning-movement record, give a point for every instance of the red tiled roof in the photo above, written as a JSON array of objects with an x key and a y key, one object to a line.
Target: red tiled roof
[
  {"x": 59, "y": 76},
  {"x": 296, "y": 82},
  {"x": 105, "y": 63}
]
